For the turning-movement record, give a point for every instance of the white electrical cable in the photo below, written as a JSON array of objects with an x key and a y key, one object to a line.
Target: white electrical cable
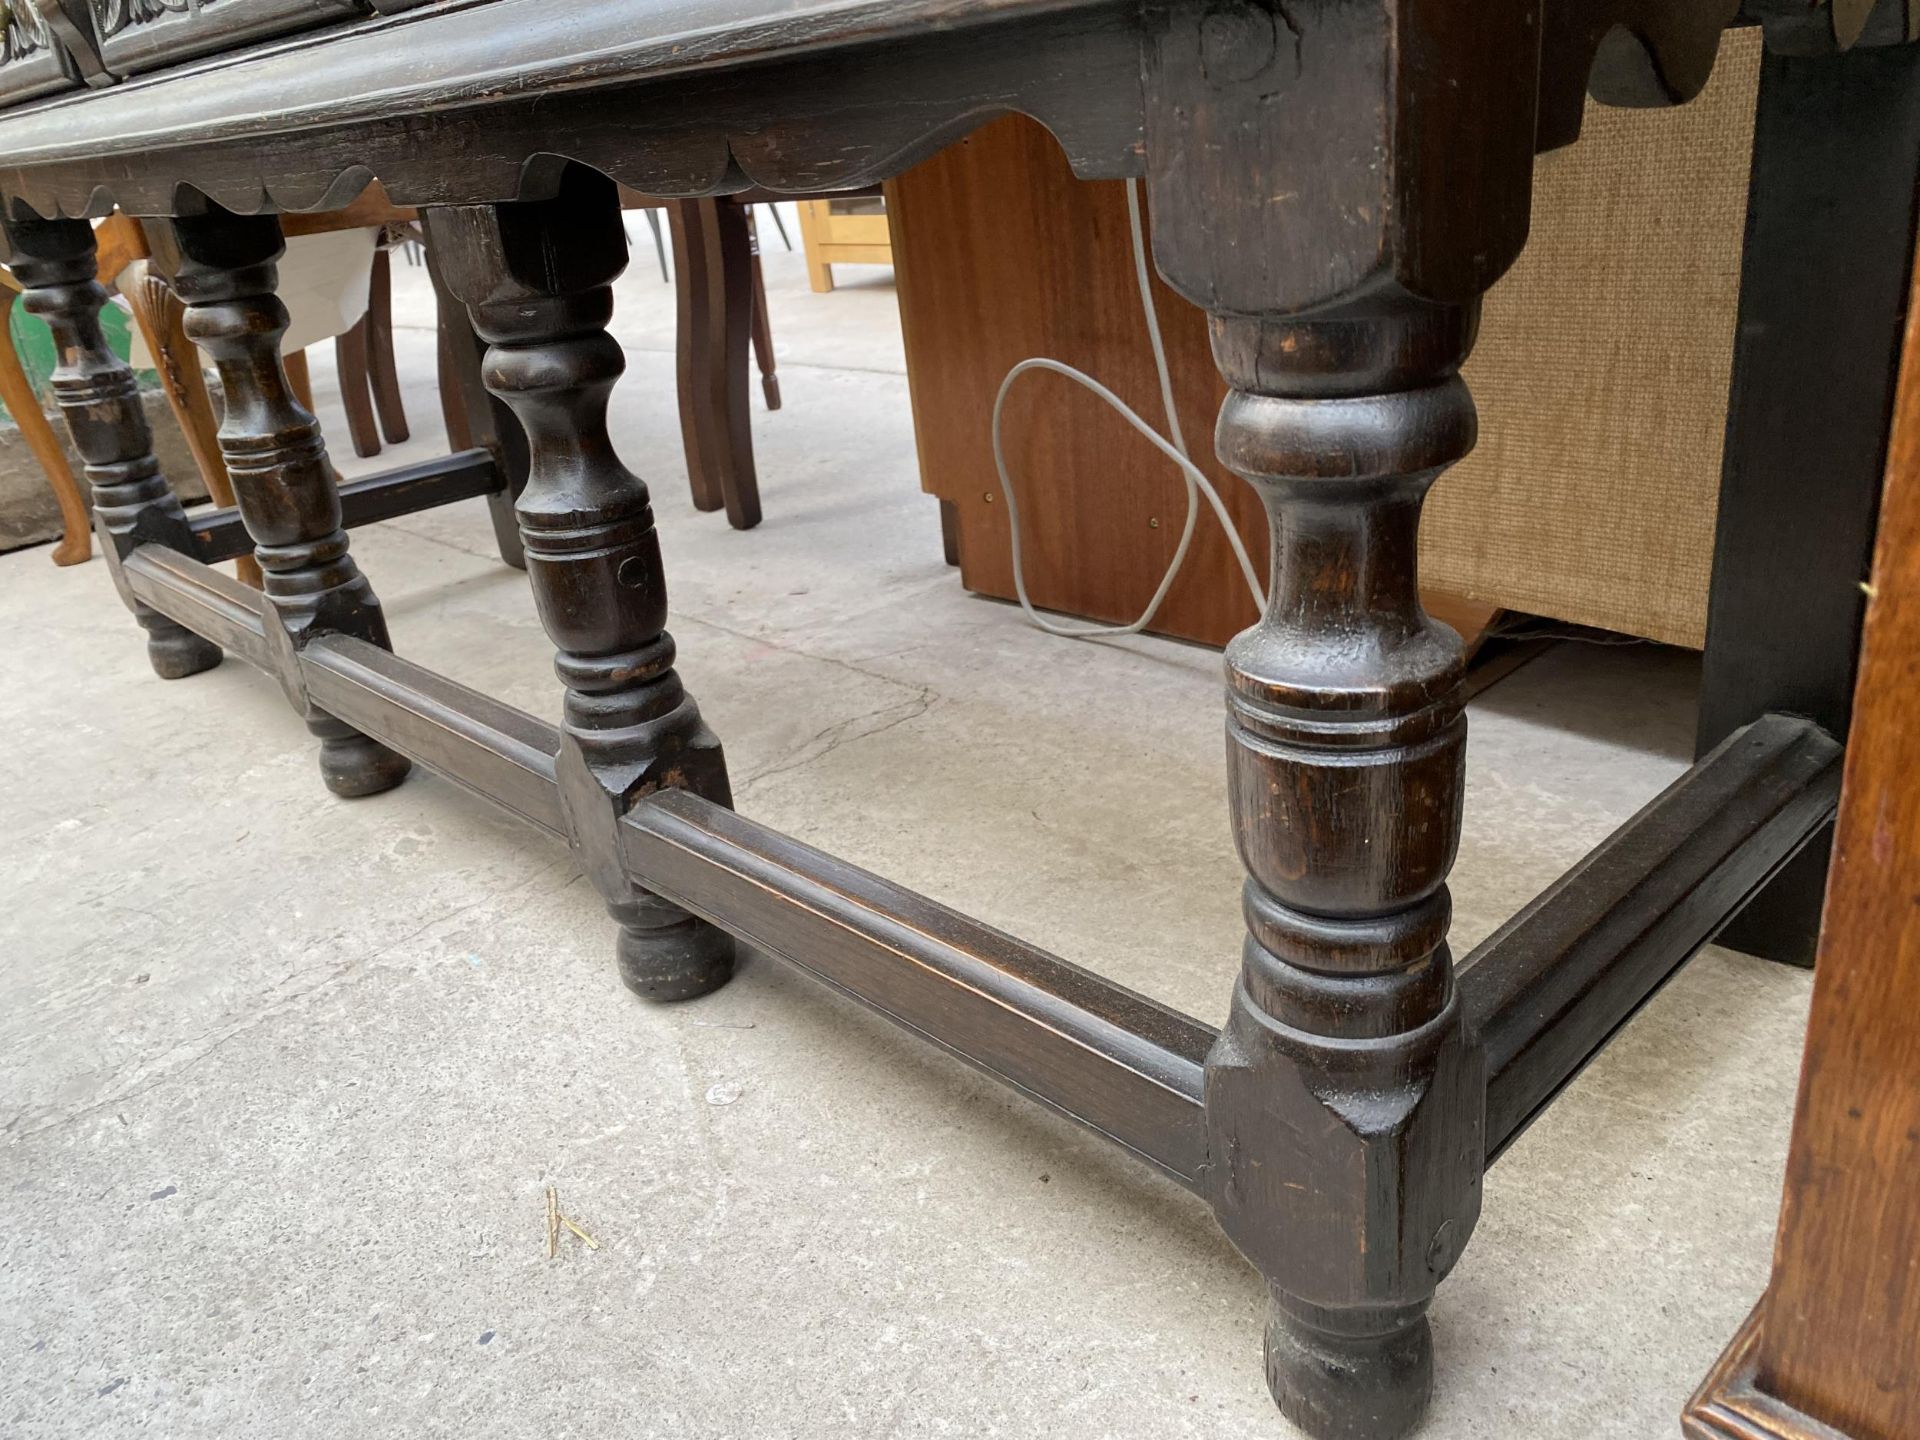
[{"x": 1196, "y": 481}]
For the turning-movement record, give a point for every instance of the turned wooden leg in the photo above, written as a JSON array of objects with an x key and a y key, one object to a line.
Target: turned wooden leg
[
  {"x": 282, "y": 482},
  {"x": 472, "y": 415},
  {"x": 537, "y": 277},
  {"x": 1344, "y": 1103},
  {"x": 133, "y": 505},
  {"x": 762, "y": 321},
  {"x": 16, "y": 393}
]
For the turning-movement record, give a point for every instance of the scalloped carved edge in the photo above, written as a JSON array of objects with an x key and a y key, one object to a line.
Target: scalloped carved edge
[
  {"x": 1636, "y": 53},
  {"x": 815, "y": 123},
  {"x": 798, "y": 121},
  {"x": 1648, "y": 53}
]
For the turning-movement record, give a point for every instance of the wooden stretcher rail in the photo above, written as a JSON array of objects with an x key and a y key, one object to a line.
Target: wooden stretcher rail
[
  {"x": 1547, "y": 990},
  {"x": 1543, "y": 994},
  {"x": 1124, "y": 1065},
  {"x": 405, "y": 490},
  {"x": 500, "y": 753},
  {"x": 1097, "y": 1052},
  {"x": 206, "y": 601}
]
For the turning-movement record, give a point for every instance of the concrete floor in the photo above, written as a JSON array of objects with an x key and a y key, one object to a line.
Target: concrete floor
[{"x": 283, "y": 1079}]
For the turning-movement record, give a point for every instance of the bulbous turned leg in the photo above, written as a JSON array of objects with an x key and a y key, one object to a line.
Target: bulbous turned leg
[
  {"x": 133, "y": 505},
  {"x": 536, "y": 278},
  {"x": 224, "y": 272},
  {"x": 1336, "y": 185},
  {"x": 1344, "y": 1103}
]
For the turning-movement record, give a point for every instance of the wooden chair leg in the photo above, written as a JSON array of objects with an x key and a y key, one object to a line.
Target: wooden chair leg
[
  {"x": 713, "y": 265},
  {"x": 381, "y": 371},
  {"x": 729, "y": 320},
  {"x": 16, "y": 392},
  {"x": 819, "y": 273},
  {"x": 687, "y": 222},
  {"x": 453, "y": 409},
  {"x": 762, "y": 324},
  {"x": 356, "y": 389}
]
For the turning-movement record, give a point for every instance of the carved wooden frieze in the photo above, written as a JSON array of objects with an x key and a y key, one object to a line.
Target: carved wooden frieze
[
  {"x": 32, "y": 62},
  {"x": 659, "y": 94},
  {"x": 140, "y": 35},
  {"x": 305, "y": 123}
]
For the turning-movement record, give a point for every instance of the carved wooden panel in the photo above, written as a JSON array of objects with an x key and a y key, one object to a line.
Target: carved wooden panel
[
  {"x": 306, "y": 123},
  {"x": 802, "y": 96},
  {"x": 145, "y": 34},
  {"x": 31, "y": 61}
]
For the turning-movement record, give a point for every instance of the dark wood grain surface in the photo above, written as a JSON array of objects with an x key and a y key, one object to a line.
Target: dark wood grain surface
[
  {"x": 1548, "y": 989},
  {"x": 1830, "y": 244},
  {"x": 843, "y": 92}
]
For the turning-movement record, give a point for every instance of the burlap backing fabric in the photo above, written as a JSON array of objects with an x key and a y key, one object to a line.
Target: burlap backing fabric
[{"x": 1601, "y": 375}]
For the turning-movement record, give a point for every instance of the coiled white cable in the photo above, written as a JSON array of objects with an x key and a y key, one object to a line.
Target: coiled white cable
[{"x": 1196, "y": 481}]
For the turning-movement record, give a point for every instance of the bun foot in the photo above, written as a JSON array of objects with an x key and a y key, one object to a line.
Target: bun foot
[
  {"x": 1350, "y": 1374},
  {"x": 679, "y": 962},
  {"x": 176, "y": 652},
  {"x": 354, "y": 766}
]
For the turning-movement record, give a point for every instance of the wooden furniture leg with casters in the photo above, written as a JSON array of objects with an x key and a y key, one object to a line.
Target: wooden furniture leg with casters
[{"x": 1336, "y": 187}]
